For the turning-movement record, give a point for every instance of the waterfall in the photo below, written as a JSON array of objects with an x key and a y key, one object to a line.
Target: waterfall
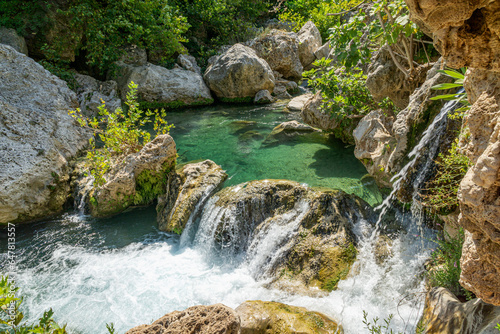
[{"x": 425, "y": 150}]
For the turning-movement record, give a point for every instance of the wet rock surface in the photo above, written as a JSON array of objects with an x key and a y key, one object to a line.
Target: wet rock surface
[{"x": 187, "y": 191}]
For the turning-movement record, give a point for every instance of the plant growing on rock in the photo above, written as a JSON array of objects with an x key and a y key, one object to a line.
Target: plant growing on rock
[
  {"x": 121, "y": 133},
  {"x": 445, "y": 264},
  {"x": 461, "y": 97},
  {"x": 441, "y": 192},
  {"x": 11, "y": 318}
]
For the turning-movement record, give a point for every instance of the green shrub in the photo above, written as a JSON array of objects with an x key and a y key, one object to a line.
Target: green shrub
[
  {"x": 298, "y": 12},
  {"x": 445, "y": 264},
  {"x": 26, "y": 16},
  {"x": 441, "y": 191},
  {"x": 389, "y": 25},
  {"x": 121, "y": 132},
  {"x": 110, "y": 25},
  {"x": 345, "y": 96},
  {"x": 11, "y": 318}
]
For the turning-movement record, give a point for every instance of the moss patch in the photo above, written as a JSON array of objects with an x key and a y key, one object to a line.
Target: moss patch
[
  {"x": 237, "y": 99},
  {"x": 174, "y": 104},
  {"x": 335, "y": 265},
  {"x": 149, "y": 185}
]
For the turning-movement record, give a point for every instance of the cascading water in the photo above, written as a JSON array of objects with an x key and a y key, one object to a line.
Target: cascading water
[{"x": 123, "y": 270}]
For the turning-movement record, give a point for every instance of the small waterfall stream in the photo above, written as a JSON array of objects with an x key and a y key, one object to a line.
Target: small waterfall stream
[{"x": 92, "y": 273}]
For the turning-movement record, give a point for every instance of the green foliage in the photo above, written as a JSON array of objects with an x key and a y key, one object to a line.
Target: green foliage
[
  {"x": 387, "y": 24},
  {"x": 445, "y": 264},
  {"x": 298, "y": 12},
  {"x": 498, "y": 327},
  {"x": 375, "y": 327},
  {"x": 11, "y": 318},
  {"x": 111, "y": 328},
  {"x": 25, "y": 16},
  {"x": 441, "y": 192},
  {"x": 460, "y": 97},
  {"x": 218, "y": 22},
  {"x": 110, "y": 25},
  {"x": 345, "y": 95},
  {"x": 121, "y": 132}
]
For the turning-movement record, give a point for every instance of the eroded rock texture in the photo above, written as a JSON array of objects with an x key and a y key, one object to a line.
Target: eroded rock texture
[
  {"x": 212, "y": 319},
  {"x": 480, "y": 189},
  {"x": 37, "y": 138},
  {"x": 467, "y": 33}
]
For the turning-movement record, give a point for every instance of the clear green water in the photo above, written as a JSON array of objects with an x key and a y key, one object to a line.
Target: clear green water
[{"x": 234, "y": 136}]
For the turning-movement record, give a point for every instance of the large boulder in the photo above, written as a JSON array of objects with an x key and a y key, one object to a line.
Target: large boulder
[
  {"x": 374, "y": 139},
  {"x": 278, "y": 223},
  {"x": 10, "y": 37},
  {"x": 313, "y": 115},
  {"x": 161, "y": 87},
  {"x": 309, "y": 42},
  {"x": 187, "y": 191},
  {"x": 281, "y": 51},
  {"x": 444, "y": 313},
  {"x": 38, "y": 137},
  {"x": 136, "y": 179},
  {"x": 298, "y": 102},
  {"x": 212, "y": 319},
  {"x": 239, "y": 74},
  {"x": 91, "y": 93},
  {"x": 272, "y": 317},
  {"x": 384, "y": 79}
]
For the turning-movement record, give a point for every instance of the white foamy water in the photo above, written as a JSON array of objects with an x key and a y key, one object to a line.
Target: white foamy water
[{"x": 88, "y": 287}]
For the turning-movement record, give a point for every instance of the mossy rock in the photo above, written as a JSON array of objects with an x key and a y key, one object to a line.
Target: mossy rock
[
  {"x": 247, "y": 99},
  {"x": 277, "y": 318},
  {"x": 144, "y": 105}
]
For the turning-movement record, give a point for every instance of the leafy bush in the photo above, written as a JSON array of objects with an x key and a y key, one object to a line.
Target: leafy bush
[
  {"x": 387, "y": 24},
  {"x": 110, "y": 25},
  {"x": 214, "y": 23},
  {"x": 445, "y": 264},
  {"x": 460, "y": 97},
  {"x": 25, "y": 16},
  {"x": 11, "y": 318},
  {"x": 298, "y": 12},
  {"x": 345, "y": 95},
  {"x": 121, "y": 133},
  {"x": 441, "y": 192}
]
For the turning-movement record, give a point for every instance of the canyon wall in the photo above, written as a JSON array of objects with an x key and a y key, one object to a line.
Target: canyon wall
[{"x": 467, "y": 33}]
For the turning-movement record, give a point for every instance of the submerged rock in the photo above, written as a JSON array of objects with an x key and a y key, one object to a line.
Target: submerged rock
[
  {"x": 298, "y": 102},
  {"x": 281, "y": 51},
  {"x": 444, "y": 313},
  {"x": 187, "y": 191},
  {"x": 159, "y": 87},
  {"x": 136, "y": 179},
  {"x": 272, "y": 317},
  {"x": 37, "y": 138},
  {"x": 309, "y": 41},
  {"x": 239, "y": 74},
  {"x": 310, "y": 228},
  {"x": 91, "y": 93},
  {"x": 212, "y": 319}
]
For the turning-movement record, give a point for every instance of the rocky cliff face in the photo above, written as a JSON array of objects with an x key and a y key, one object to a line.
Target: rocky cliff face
[
  {"x": 467, "y": 33},
  {"x": 37, "y": 138}
]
